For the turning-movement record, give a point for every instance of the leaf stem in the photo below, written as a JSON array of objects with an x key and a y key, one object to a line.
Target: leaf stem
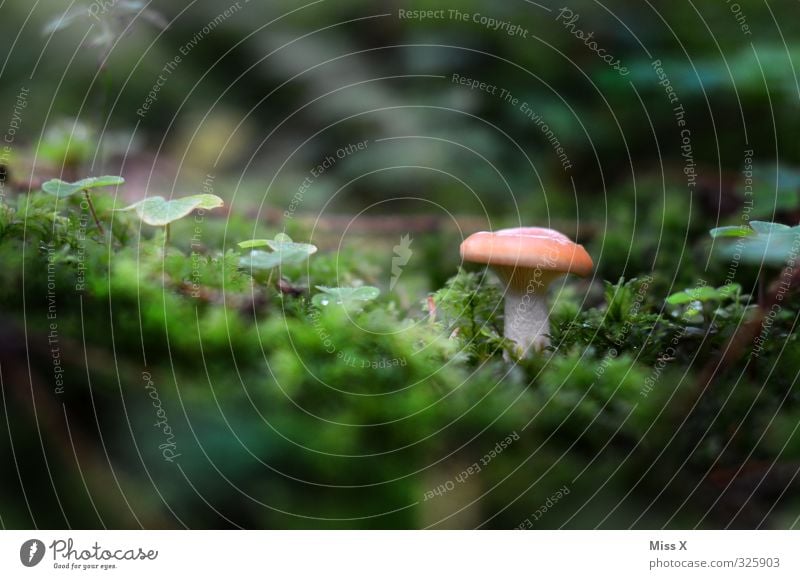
[
  {"x": 166, "y": 234},
  {"x": 93, "y": 212}
]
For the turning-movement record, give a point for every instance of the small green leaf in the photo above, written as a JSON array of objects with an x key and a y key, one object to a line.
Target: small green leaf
[
  {"x": 260, "y": 260},
  {"x": 344, "y": 295},
  {"x": 253, "y": 243},
  {"x": 284, "y": 252},
  {"x": 159, "y": 211},
  {"x": 62, "y": 189},
  {"x": 284, "y": 243},
  {"x": 731, "y": 231},
  {"x": 699, "y": 294},
  {"x": 679, "y": 299},
  {"x": 730, "y": 290},
  {"x": 703, "y": 294}
]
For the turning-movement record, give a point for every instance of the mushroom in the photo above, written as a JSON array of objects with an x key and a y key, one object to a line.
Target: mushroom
[{"x": 527, "y": 260}]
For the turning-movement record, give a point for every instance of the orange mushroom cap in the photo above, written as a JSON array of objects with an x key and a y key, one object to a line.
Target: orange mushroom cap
[{"x": 528, "y": 248}]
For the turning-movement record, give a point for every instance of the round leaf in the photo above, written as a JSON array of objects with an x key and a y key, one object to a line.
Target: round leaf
[
  {"x": 260, "y": 260},
  {"x": 292, "y": 251},
  {"x": 284, "y": 252},
  {"x": 159, "y": 211},
  {"x": 62, "y": 189}
]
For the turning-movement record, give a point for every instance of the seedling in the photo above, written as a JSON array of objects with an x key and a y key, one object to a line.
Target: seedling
[
  {"x": 158, "y": 211},
  {"x": 703, "y": 301},
  {"x": 62, "y": 190},
  {"x": 284, "y": 252},
  {"x": 347, "y": 297}
]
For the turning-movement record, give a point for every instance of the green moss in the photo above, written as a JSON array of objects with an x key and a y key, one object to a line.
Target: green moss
[{"x": 356, "y": 406}]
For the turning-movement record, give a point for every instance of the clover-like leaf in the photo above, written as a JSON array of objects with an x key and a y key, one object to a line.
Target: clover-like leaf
[
  {"x": 284, "y": 244},
  {"x": 284, "y": 252},
  {"x": 62, "y": 189},
  {"x": 260, "y": 260},
  {"x": 159, "y": 211},
  {"x": 345, "y": 296}
]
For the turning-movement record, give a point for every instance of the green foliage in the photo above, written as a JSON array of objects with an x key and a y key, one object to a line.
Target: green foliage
[
  {"x": 348, "y": 297},
  {"x": 284, "y": 252},
  {"x": 396, "y": 389},
  {"x": 702, "y": 304},
  {"x": 705, "y": 294},
  {"x": 265, "y": 261},
  {"x": 627, "y": 322},
  {"x": 292, "y": 413},
  {"x": 581, "y": 389},
  {"x": 158, "y": 211},
  {"x": 34, "y": 217},
  {"x": 470, "y": 309},
  {"x": 62, "y": 189},
  {"x": 209, "y": 272},
  {"x": 763, "y": 243}
]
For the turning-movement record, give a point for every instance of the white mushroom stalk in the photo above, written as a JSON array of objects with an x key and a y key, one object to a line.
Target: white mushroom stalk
[
  {"x": 526, "y": 314},
  {"x": 527, "y": 260}
]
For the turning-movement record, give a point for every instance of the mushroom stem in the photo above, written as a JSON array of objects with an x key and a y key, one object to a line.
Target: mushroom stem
[{"x": 527, "y": 320}]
